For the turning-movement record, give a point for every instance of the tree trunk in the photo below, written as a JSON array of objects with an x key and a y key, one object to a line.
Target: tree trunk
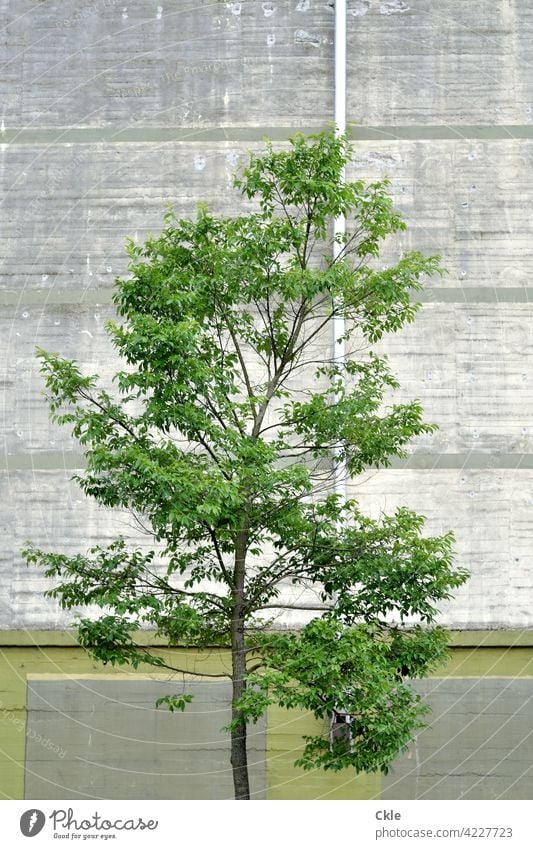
[{"x": 239, "y": 756}]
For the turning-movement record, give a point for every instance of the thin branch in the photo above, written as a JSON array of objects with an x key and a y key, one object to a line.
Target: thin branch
[
  {"x": 203, "y": 442},
  {"x": 108, "y": 413},
  {"x": 244, "y": 370},
  {"x": 213, "y": 410},
  {"x": 165, "y": 587},
  {"x": 182, "y": 671},
  {"x": 218, "y": 553},
  {"x": 293, "y": 607},
  {"x": 271, "y": 324},
  {"x": 290, "y": 219}
]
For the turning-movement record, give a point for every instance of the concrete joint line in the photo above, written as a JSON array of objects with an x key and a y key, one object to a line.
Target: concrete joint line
[
  {"x": 423, "y": 461},
  {"x": 115, "y": 135}
]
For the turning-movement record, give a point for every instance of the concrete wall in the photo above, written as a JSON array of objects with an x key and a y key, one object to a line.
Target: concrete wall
[
  {"x": 476, "y": 746},
  {"x": 116, "y": 743},
  {"x": 112, "y": 109},
  {"x": 59, "y": 710}
]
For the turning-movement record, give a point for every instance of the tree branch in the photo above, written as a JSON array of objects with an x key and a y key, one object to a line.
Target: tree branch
[{"x": 293, "y": 607}]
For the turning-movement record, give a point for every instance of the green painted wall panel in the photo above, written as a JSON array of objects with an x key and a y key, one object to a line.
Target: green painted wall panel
[
  {"x": 285, "y": 781},
  {"x": 285, "y": 728},
  {"x": 494, "y": 662},
  {"x": 458, "y": 639}
]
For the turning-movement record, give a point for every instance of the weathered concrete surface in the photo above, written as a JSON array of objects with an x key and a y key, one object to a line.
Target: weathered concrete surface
[
  {"x": 491, "y": 514},
  {"x": 59, "y": 505},
  {"x": 470, "y": 365},
  {"x": 421, "y": 62},
  {"x": 71, "y": 331},
  {"x": 478, "y": 745},
  {"x": 114, "y": 743},
  {"x": 69, "y": 208},
  {"x": 166, "y": 64},
  {"x": 490, "y": 511},
  {"x": 411, "y": 62},
  {"x": 104, "y": 69}
]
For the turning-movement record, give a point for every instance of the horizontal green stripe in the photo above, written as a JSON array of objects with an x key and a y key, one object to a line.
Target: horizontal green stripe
[
  {"x": 112, "y": 135},
  {"x": 442, "y": 132},
  {"x": 458, "y": 639},
  {"x": 476, "y": 295},
  {"x": 44, "y": 297},
  {"x": 464, "y": 460},
  {"x": 444, "y": 295},
  {"x": 424, "y": 461}
]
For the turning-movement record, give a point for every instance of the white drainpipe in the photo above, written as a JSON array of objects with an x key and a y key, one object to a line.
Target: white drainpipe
[{"x": 340, "y": 222}]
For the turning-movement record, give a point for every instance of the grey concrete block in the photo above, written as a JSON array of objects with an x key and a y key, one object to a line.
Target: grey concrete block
[
  {"x": 416, "y": 62},
  {"x": 114, "y": 743},
  {"x": 478, "y": 745},
  {"x": 409, "y": 63},
  {"x": 143, "y": 63},
  {"x": 98, "y": 201},
  {"x": 68, "y": 208}
]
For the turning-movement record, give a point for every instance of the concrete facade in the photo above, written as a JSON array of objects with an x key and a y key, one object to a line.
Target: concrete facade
[
  {"x": 110, "y": 110},
  {"x": 114, "y": 737},
  {"x": 476, "y": 746}
]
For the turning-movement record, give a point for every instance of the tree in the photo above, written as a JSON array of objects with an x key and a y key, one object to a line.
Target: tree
[{"x": 222, "y": 437}]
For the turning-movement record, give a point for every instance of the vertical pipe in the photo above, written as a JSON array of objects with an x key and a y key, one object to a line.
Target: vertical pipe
[
  {"x": 339, "y": 227},
  {"x": 340, "y": 65}
]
